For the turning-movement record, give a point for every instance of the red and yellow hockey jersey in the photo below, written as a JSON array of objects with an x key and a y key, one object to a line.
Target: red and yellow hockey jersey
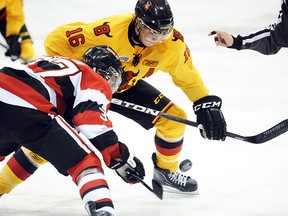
[{"x": 171, "y": 56}]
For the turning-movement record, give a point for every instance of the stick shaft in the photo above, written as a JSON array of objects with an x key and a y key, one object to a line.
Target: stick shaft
[{"x": 265, "y": 136}]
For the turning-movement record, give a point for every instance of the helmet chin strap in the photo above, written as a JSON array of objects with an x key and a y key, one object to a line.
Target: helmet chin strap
[{"x": 134, "y": 36}]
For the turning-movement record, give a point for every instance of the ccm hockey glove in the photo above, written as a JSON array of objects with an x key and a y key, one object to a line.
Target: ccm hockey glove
[
  {"x": 14, "y": 49},
  {"x": 211, "y": 121},
  {"x": 127, "y": 163}
]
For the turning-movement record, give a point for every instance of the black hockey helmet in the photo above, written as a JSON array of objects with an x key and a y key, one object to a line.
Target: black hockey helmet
[
  {"x": 156, "y": 14},
  {"x": 104, "y": 61}
]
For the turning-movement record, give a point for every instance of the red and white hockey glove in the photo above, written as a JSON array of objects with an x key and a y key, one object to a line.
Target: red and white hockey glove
[
  {"x": 211, "y": 121},
  {"x": 127, "y": 163}
]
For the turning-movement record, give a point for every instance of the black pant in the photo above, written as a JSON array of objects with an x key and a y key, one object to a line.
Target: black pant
[
  {"x": 142, "y": 94},
  {"x": 51, "y": 138}
]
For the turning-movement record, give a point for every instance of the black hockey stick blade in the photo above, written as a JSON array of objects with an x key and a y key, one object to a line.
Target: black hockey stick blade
[
  {"x": 157, "y": 188},
  {"x": 265, "y": 136}
]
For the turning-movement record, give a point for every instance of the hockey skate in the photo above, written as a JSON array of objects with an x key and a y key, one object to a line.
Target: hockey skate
[
  {"x": 91, "y": 209},
  {"x": 174, "y": 182}
]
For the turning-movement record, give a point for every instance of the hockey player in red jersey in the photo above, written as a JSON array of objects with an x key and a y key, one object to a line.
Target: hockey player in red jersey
[{"x": 43, "y": 105}]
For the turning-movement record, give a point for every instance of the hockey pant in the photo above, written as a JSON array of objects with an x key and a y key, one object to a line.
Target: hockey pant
[
  {"x": 53, "y": 139},
  {"x": 169, "y": 134}
]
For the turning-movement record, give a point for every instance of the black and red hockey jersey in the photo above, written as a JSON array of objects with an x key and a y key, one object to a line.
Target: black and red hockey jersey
[{"x": 66, "y": 87}]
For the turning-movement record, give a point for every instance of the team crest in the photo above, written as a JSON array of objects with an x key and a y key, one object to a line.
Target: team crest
[
  {"x": 177, "y": 35},
  {"x": 37, "y": 158},
  {"x": 127, "y": 76}
]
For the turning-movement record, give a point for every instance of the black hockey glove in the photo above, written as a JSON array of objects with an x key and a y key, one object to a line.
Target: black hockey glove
[
  {"x": 14, "y": 49},
  {"x": 211, "y": 121},
  {"x": 128, "y": 163}
]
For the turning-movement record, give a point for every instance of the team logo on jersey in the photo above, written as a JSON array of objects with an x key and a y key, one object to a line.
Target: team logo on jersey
[
  {"x": 36, "y": 158},
  {"x": 177, "y": 35},
  {"x": 150, "y": 63},
  {"x": 126, "y": 77}
]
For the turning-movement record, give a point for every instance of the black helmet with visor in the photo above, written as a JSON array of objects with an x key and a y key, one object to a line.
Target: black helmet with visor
[
  {"x": 156, "y": 14},
  {"x": 104, "y": 61}
]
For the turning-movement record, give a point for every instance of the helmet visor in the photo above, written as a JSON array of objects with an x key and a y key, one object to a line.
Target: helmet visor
[
  {"x": 149, "y": 36},
  {"x": 113, "y": 77}
]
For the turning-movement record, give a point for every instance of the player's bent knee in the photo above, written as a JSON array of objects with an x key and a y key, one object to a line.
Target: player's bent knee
[
  {"x": 91, "y": 160},
  {"x": 171, "y": 129}
]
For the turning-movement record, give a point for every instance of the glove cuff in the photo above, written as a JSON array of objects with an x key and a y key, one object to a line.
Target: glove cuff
[
  {"x": 207, "y": 102},
  {"x": 116, "y": 163}
]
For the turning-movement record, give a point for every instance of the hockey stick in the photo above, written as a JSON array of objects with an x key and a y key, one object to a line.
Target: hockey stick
[
  {"x": 157, "y": 188},
  {"x": 3, "y": 45},
  {"x": 24, "y": 60},
  {"x": 265, "y": 136}
]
